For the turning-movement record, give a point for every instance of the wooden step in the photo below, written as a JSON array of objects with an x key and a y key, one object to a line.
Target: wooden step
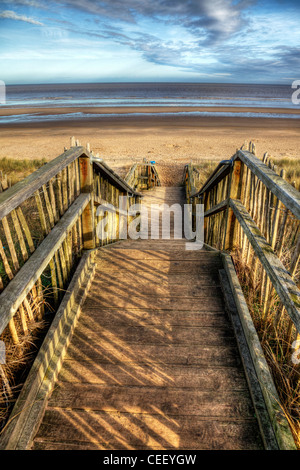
[
  {"x": 153, "y": 362},
  {"x": 97, "y": 430}
]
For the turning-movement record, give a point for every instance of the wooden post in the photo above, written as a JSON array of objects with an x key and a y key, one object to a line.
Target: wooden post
[
  {"x": 86, "y": 186},
  {"x": 234, "y": 192}
]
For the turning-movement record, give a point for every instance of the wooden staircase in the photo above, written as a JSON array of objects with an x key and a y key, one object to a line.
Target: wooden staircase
[{"x": 153, "y": 362}]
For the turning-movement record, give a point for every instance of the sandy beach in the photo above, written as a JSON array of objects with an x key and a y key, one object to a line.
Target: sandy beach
[{"x": 169, "y": 140}]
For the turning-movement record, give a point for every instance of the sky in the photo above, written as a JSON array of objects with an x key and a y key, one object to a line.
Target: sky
[{"x": 73, "y": 41}]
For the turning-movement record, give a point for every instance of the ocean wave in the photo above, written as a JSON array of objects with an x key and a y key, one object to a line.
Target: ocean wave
[{"x": 34, "y": 117}]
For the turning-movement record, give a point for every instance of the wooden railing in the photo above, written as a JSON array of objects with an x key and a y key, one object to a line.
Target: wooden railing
[
  {"x": 250, "y": 209},
  {"x": 47, "y": 221},
  {"x": 252, "y": 213},
  {"x": 142, "y": 176}
]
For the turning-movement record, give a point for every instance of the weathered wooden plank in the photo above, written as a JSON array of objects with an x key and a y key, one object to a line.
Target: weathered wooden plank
[
  {"x": 58, "y": 184},
  {"x": 5, "y": 262},
  {"x": 21, "y": 191},
  {"x": 88, "y": 222},
  {"x": 113, "y": 177},
  {"x": 221, "y": 206},
  {"x": 161, "y": 287},
  {"x": 200, "y": 304},
  {"x": 64, "y": 188},
  {"x": 119, "y": 252},
  {"x": 48, "y": 206},
  {"x": 23, "y": 319},
  {"x": 261, "y": 411},
  {"x": 44, "y": 225},
  {"x": 168, "y": 400},
  {"x": 28, "y": 309},
  {"x": 221, "y": 171},
  {"x": 10, "y": 244},
  {"x": 283, "y": 283},
  {"x": 85, "y": 429},
  {"x": 288, "y": 195},
  {"x": 187, "y": 376},
  {"x": 26, "y": 277},
  {"x": 29, "y": 408},
  {"x": 51, "y": 185},
  {"x": 94, "y": 332},
  {"x": 160, "y": 279},
  {"x": 108, "y": 352},
  {"x": 26, "y": 229},
  {"x": 145, "y": 317},
  {"x": 278, "y": 420},
  {"x": 13, "y": 331},
  {"x": 166, "y": 266}
]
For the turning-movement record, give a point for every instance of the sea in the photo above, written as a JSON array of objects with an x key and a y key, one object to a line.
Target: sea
[{"x": 173, "y": 96}]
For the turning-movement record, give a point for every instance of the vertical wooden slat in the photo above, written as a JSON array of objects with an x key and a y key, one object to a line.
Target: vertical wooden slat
[
  {"x": 5, "y": 262},
  {"x": 236, "y": 190},
  {"x": 77, "y": 178},
  {"x": 28, "y": 309},
  {"x": 64, "y": 183},
  {"x": 67, "y": 256},
  {"x": 40, "y": 298},
  {"x": 10, "y": 243},
  {"x": 63, "y": 264},
  {"x": 26, "y": 229},
  {"x": 53, "y": 200},
  {"x": 53, "y": 280},
  {"x": 43, "y": 221},
  {"x": 48, "y": 206},
  {"x": 88, "y": 223},
  {"x": 58, "y": 270},
  {"x": 59, "y": 194},
  {"x": 23, "y": 319},
  {"x": 13, "y": 331},
  {"x": 19, "y": 234}
]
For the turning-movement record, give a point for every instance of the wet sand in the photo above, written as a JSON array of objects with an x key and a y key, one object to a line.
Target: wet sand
[{"x": 138, "y": 109}]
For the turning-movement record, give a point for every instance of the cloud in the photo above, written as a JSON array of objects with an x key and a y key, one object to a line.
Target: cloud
[
  {"x": 11, "y": 15},
  {"x": 219, "y": 18},
  {"x": 28, "y": 3}
]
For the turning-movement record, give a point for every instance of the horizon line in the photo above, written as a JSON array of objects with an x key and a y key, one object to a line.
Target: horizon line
[{"x": 146, "y": 82}]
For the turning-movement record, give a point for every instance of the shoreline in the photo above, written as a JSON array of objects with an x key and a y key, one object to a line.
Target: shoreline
[
  {"x": 119, "y": 110},
  {"x": 159, "y": 120}
]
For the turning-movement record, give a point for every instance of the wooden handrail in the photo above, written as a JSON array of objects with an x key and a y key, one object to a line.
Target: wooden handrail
[
  {"x": 284, "y": 285},
  {"x": 218, "y": 174},
  {"x": 19, "y": 192},
  {"x": 22, "y": 283},
  {"x": 253, "y": 214},
  {"x": 136, "y": 179},
  {"x": 114, "y": 177},
  {"x": 234, "y": 170},
  {"x": 286, "y": 193},
  {"x": 59, "y": 194}
]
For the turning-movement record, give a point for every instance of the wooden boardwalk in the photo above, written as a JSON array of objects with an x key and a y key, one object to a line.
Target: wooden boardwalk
[{"x": 153, "y": 362}]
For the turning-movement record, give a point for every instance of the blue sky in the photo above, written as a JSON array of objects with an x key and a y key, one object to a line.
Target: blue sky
[{"x": 235, "y": 41}]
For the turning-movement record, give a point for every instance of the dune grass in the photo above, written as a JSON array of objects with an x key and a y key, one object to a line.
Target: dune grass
[
  {"x": 16, "y": 170},
  {"x": 291, "y": 167}
]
